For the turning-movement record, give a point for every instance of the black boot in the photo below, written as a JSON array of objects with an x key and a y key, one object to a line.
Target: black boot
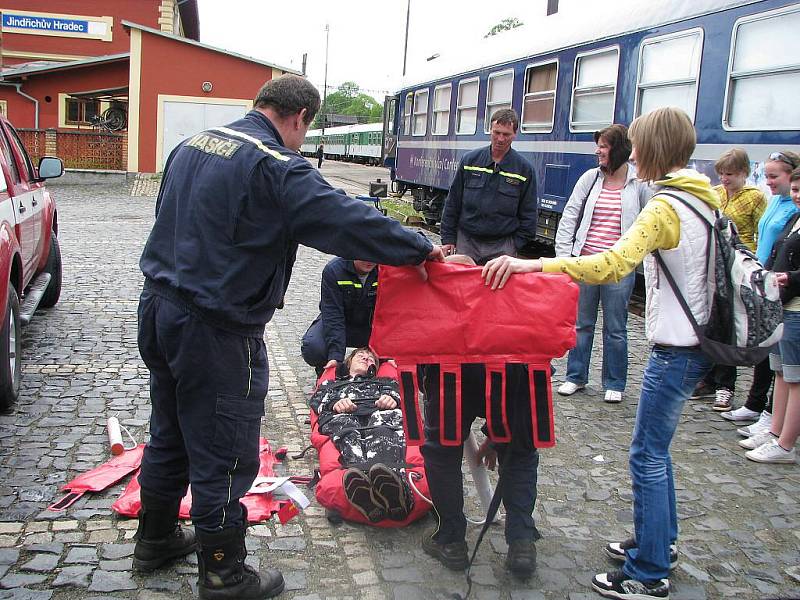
[
  {"x": 223, "y": 572},
  {"x": 160, "y": 538}
]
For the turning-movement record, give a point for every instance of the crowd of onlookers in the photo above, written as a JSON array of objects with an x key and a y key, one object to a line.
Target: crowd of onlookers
[{"x": 602, "y": 207}]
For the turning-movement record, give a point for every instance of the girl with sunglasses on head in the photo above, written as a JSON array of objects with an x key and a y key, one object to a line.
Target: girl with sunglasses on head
[
  {"x": 776, "y": 444},
  {"x": 780, "y": 209}
]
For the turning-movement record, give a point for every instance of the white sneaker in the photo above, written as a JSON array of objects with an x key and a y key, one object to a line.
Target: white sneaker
[
  {"x": 568, "y": 388},
  {"x": 763, "y": 424},
  {"x": 771, "y": 452},
  {"x": 613, "y": 397},
  {"x": 758, "y": 439},
  {"x": 740, "y": 414}
]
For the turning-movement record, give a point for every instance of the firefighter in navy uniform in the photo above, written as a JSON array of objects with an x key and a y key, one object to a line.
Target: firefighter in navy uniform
[
  {"x": 234, "y": 204},
  {"x": 490, "y": 211},
  {"x": 491, "y": 207},
  {"x": 347, "y": 303}
]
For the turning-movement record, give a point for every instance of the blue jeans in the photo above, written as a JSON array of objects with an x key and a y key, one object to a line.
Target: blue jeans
[
  {"x": 614, "y": 297},
  {"x": 669, "y": 378}
]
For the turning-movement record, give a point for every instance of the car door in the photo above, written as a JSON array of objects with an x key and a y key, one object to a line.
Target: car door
[
  {"x": 24, "y": 204},
  {"x": 36, "y": 191}
]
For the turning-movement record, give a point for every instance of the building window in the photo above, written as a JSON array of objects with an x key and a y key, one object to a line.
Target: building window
[
  {"x": 669, "y": 67},
  {"x": 407, "y": 114},
  {"x": 764, "y": 72},
  {"x": 467, "y": 106},
  {"x": 594, "y": 90},
  {"x": 539, "y": 104},
  {"x": 498, "y": 95},
  {"x": 4, "y": 108},
  {"x": 420, "y": 112},
  {"x": 82, "y": 112},
  {"x": 441, "y": 109}
]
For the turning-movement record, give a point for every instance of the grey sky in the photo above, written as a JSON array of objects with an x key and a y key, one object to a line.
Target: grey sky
[{"x": 366, "y": 37}]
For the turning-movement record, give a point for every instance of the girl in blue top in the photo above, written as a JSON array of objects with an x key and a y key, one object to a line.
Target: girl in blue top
[{"x": 777, "y": 170}]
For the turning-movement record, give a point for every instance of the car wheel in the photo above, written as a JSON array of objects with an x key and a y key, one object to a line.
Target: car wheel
[
  {"x": 53, "y": 266},
  {"x": 10, "y": 352}
]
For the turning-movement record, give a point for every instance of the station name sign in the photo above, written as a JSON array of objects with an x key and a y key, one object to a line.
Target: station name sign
[{"x": 79, "y": 26}]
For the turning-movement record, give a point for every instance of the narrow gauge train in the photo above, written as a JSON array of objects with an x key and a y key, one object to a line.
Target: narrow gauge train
[
  {"x": 733, "y": 66},
  {"x": 354, "y": 143}
]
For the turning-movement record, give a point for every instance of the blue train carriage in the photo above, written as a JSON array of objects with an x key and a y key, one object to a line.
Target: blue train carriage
[{"x": 733, "y": 66}]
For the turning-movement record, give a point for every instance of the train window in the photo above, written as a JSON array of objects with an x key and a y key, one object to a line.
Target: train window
[
  {"x": 441, "y": 109},
  {"x": 390, "y": 114},
  {"x": 420, "y": 126},
  {"x": 467, "y": 106},
  {"x": 764, "y": 72},
  {"x": 407, "y": 114},
  {"x": 669, "y": 67},
  {"x": 498, "y": 95},
  {"x": 539, "y": 104},
  {"x": 594, "y": 90}
]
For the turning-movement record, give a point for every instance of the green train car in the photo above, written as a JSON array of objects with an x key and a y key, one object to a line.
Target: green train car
[{"x": 361, "y": 143}]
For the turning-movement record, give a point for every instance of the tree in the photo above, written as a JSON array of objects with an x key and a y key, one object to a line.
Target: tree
[
  {"x": 349, "y": 100},
  {"x": 504, "y": 25}
]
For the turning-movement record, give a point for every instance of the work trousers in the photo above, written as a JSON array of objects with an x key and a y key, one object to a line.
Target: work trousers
[
  {"x": 207, "y": 389},
  {"x": 362, "y": 441},
  {"x": 519, "y": 460}
]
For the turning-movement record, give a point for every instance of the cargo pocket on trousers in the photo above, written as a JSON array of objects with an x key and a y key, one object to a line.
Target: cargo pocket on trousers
[{"x": 237, "y": 425}]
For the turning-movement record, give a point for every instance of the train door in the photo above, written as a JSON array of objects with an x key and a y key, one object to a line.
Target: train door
[{"x": 389, "y": 150}]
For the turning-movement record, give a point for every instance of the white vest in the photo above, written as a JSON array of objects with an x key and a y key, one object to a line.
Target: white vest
[{"x": 665, "y": 321}]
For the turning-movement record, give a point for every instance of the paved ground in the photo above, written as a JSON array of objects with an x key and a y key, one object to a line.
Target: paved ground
[{"x": 740, "y": 522}]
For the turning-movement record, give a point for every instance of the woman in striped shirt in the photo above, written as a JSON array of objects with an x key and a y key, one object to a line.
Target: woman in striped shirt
[{"x": 603, "y": 205}]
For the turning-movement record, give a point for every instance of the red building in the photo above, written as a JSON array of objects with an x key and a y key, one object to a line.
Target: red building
[{"x": 135, "y": 68}]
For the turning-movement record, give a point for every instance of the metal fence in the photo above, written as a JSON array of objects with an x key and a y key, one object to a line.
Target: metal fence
[
  {"x": 84, "y": 150},
  {"x": 79, "y": 149}
]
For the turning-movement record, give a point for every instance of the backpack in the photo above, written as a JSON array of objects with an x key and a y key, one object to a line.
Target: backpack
[{"x": 746, "y": 315}]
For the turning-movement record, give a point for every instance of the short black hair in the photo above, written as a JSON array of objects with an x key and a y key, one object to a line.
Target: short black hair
[
  {"x": 288, "y": 95},
  {"x": 506, "y": 116},
  {"x": 616, "y": 136}
]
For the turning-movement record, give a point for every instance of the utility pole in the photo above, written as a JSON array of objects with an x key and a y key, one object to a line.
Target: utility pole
[
  {"x": 325, "y": 85},
  {"x": 405, "y": 47}
]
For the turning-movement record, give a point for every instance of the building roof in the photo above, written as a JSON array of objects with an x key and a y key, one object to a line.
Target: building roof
[
  {"x": 184, "y": 40},
  {"x": 40, "y": 66},
  {"x": 190, "y": 19},
  {"x": 577, "y": 22}
]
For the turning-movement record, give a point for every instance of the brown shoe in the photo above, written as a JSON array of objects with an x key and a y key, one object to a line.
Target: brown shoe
[
  {"x": 389, "y": 491},
  {"x": 358, "y": 490}
]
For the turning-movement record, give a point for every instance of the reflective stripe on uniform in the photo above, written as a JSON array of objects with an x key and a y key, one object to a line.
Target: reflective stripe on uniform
[
  {"x": 481, "y": 169},
  {"x": 353, "y": 283},
  {"x": 258, "y": 143},
  {"x": 514, "y": 175},
  {"x": 490, "y": 171}
]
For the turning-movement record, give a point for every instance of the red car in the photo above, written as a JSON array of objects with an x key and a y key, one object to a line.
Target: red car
[{"x": 30, "y": 257}]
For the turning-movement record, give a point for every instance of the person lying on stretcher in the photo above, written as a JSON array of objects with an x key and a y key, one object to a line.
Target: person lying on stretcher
[{"x": 360, "y": 413}]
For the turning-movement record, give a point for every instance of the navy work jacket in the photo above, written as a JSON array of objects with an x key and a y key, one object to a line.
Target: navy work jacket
[
  {"x": 234, "y": 204},
  {"x": 489, "y": 201},
  {"x": 346, "y": 306}
]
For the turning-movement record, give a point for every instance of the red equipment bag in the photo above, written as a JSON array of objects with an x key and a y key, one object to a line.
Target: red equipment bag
[
  {"x": 454, "y": 319},
  {"x": 330, "y": 490},
  {"x": 260, "y": 507},
  {"x": 100, "y": 477}
]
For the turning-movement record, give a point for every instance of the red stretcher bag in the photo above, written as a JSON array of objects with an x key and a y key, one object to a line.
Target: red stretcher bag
[
  {"x": 454, "y": 319},
  {"x": 100, "y": 477},
  {"x": 329, "y": 489},
  {"x": 260, "y": 507}
]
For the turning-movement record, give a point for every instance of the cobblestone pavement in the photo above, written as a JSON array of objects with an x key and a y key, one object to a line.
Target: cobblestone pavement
[{"x": 740, "y": 522}]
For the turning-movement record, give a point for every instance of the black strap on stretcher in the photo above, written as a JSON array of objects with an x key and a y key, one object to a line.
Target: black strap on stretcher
[{"x": 497, "y": 421}]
